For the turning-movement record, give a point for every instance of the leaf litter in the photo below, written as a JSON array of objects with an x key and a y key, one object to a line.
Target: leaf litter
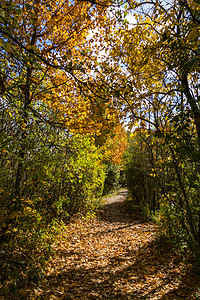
[{"x": 115, "y": 255}]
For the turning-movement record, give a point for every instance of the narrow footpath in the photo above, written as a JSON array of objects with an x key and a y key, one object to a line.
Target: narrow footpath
[{"x": 115, "y": 255}]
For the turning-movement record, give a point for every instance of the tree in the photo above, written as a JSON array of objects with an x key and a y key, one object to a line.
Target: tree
[
  {"x": 48, "y": 95},
  {"x": 157, "y": 83},
  {"x": 46, "y": 76}
]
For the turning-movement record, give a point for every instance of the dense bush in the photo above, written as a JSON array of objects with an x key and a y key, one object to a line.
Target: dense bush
[
  {"x": 162, "y": 176},
  {"x": 62, "y": 175},
  {"x": 140, "y": 184},
  {"x": 82, "y": 178},
  {"x": 58, "y": 181},
  {"x": 112, "y": 180}
]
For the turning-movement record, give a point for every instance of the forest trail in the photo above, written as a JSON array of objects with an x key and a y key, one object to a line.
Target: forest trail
[{"x": 115, "y": 255}]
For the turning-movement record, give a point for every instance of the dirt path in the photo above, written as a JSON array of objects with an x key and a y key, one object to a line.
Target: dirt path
[{"x": 115, "y": 256}]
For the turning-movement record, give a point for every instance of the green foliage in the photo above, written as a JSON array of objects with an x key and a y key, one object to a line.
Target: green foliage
[
  {"x": 24, "y": 256},
  {"x": 63, "y": 175},
  {"x": 112, "y": 180},
  {"x": 135, "y": 182},
  {"x": 82, "y": 178},
  {"x": 162, "y": 174},
  {"x": 139, "y": 181}
]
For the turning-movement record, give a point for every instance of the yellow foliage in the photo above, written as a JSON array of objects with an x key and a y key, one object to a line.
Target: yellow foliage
[{"x": 55, "y": 37}]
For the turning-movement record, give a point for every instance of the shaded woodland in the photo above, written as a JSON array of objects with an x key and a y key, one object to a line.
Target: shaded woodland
[{"x": 96, "y": 96}]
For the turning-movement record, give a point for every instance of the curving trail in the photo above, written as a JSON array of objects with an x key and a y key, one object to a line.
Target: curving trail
[{"x": 115, "y": 255}]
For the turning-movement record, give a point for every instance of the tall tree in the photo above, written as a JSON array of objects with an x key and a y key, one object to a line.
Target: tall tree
[
  {"x": 156, "y": 81},
  {"x": 46, "y": 75}
]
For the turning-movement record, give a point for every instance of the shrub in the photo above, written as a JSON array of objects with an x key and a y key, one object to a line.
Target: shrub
[
  {"x": 58, "y": 181},
  {"x": 112, "y": 180}
]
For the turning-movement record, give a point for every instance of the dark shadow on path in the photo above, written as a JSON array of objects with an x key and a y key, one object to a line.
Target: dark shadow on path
[
  {"x": 145, "y": 269},
  {"x": 115, "y": 211}
]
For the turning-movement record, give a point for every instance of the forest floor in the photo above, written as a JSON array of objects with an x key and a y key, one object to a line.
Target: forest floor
[{"x": 115, "y": 255}]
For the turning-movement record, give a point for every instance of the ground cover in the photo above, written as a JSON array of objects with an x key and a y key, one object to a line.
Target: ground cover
[{"x": 116, "y": 255}]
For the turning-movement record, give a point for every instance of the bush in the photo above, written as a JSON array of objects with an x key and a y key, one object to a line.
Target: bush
[
  {"x": 112, "y": 180},
  {"x": 82, "y": 178},
  {"x": 162, "y": 176},
  {"x": 140, "y": 183},
  {"x": 59, "y": 180}
]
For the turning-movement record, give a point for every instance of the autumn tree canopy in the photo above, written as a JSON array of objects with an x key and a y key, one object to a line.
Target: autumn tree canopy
[
  {"x": 157, "y": 55},
  {"x": 46, "y": 74},
  {"x": 156, "y": 82},
  {"x": 73, "y": 77},
  {"x": 46, "y": 58}
]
